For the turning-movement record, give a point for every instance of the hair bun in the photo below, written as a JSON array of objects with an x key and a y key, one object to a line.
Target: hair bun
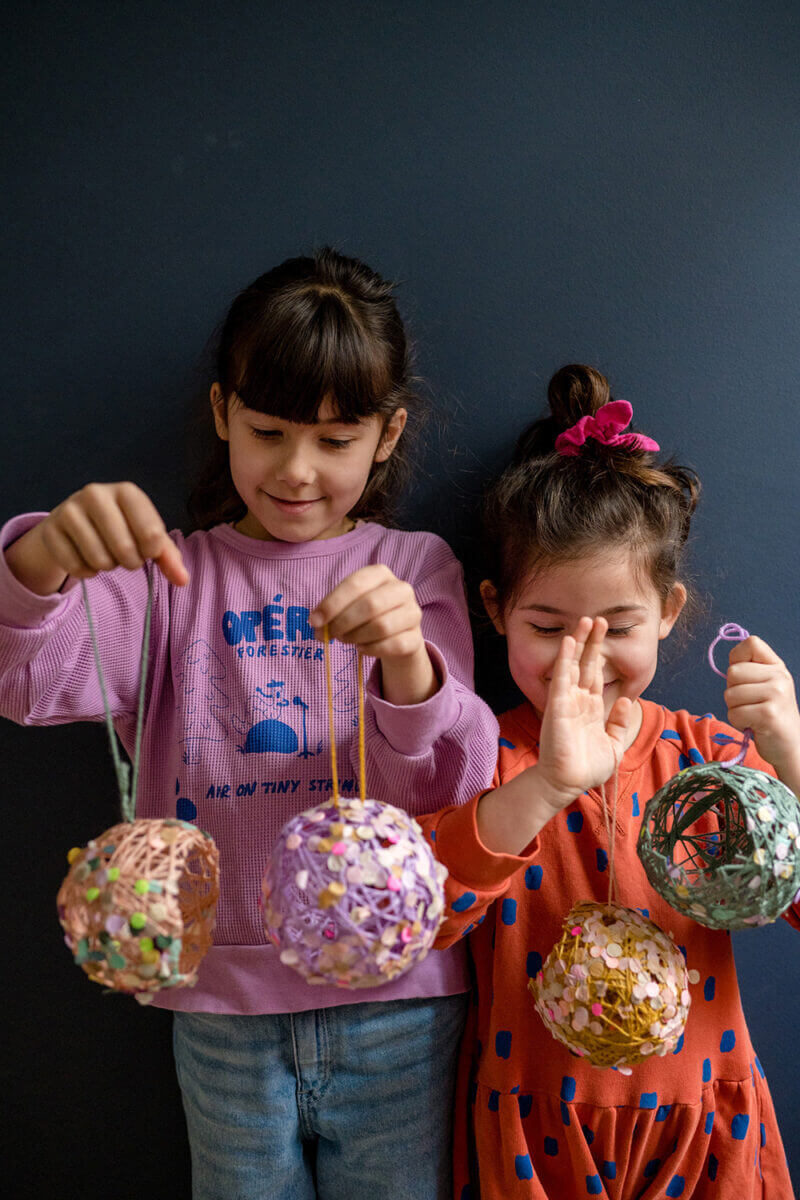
[{"x": 576, "y": 391}]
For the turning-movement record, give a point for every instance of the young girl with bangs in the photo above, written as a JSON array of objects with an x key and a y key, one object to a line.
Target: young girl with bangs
[
  {"x": 586, "y": 529},
  {"x": 290, "y": 1091}
]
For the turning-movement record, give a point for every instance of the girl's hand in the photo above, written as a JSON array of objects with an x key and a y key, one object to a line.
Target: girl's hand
[
  {"x": 579, "y": 748},
  {"x": 378, "y": 612},
  {"x": 103, "y": 526},
  {"x": 760, "y": 696}
]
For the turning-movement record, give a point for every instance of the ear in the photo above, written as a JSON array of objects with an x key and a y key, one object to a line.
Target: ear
[
  {"x": 671, "y": 610},
  {"x": 391, "y": 434},
  {"x": 490, "y": 603},
  {"x": 220, "y": 409}
]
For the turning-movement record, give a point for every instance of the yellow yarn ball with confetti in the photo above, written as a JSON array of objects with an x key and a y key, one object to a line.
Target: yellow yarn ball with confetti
[{"x": 614, "y": 989}]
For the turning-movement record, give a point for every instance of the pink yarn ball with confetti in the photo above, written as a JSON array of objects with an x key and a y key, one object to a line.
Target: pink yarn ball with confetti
[{"x": 353, "y": 895}]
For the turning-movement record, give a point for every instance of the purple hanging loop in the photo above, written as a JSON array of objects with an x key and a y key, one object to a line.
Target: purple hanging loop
[{"x": 730, "y": 633}]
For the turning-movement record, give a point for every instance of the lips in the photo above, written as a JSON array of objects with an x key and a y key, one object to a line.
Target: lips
[{"x": 292, "y": 506}]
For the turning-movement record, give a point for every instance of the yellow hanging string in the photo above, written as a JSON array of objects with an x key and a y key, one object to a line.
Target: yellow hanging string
[
  {"x": 611, "y": 829},
  {"x": 362, "y": 758}
]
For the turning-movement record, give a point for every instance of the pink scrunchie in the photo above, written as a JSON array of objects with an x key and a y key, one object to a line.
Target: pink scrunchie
[{"x": 605, "y": 426}]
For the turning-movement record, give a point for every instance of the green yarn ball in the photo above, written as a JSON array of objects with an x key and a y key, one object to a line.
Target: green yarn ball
[{"x": 721, "y": 844}]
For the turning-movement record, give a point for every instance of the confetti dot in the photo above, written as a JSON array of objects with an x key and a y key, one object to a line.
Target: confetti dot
[
  {"x": 676, "y": 1186},
  {"x": 648, "y": 1100},
  {"x": 594, "y": 1185},
  {"x": 464, "y": 901},
  {"x": 713, "y": 1166},
  {"x": 568, "y": 1087},
  {"x": 508, "y": 912},
  {"x": 493, "y": 1103},
  {"x": 706, "y": 1070},
  {"x": 588, "y": 1134},
  {"x": 609, "y": 1169},
  {"x": 663, "y": 1112},
  {"x": 709, "y": 1125},
  {"x": 575, "y": 822},
  {"x": 709, "y": 988},
  {"x": 525, "y": 1105},
  {"x": 551, "y": 1146},
  {"x": 652, "y": 1168},
  {"x": 728, "y": 1040},
  {"x": 602, "y": 859},
  {"x": 533, "y": 964}
]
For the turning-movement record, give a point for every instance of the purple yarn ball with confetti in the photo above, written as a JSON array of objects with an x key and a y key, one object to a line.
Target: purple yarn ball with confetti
[{"x": 353, "y": 895}]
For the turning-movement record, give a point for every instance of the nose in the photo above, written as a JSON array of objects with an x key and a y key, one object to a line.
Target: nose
[{"x": 295, "y": 468}]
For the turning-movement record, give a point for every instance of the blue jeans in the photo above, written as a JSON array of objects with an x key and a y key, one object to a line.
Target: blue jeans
[{"x": 337, "y": 1103}]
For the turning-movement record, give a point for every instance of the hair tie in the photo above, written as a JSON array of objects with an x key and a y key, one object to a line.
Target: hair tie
[{"x": 605, "y": 426}]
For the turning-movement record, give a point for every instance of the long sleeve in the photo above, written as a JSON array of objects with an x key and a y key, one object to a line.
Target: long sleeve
[
  {"x": 476, "y": 877},
  {"x": 47, "y": 669},
  {"x": 440, "y": 752}
]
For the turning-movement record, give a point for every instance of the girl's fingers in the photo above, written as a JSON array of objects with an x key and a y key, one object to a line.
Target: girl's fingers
[
  {"x": 752, "y": 694},
  {"x": 753, "y": 649},
  {"x": 619, "y": 719},
  {"x": 148, "y": 533},
  {"x": 591, "y": 655},
  {"x": 387, "y": 625},
  {"x": 561, "y": 678},
  {"x": 65, "y": 553},
  {"x": 361, "y": 582}
]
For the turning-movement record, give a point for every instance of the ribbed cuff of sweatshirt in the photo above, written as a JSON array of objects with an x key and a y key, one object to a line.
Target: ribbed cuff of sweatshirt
[
  {"x": 412, "y": 729},
  {"x": 459, "y": 847},
  {"x": 21, "y": 608}
]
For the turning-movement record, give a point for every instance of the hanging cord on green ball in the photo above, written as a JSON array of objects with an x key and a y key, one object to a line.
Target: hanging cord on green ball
[{"x": 127, "y": 782}]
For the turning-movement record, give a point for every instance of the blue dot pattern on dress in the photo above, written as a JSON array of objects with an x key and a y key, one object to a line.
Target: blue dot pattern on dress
[
  {"x": 523, "y": 1166},
  {"x": 663, "y": 1112},
  {"x": 602, "y": 859},
  {"x": 763, "y": 1134},
  {"x": 652, "y": 1168},
  {"x": 508, "y": 911},
  {"x": 502, "y": 1043},
  {"x": 466, "y": 1193},
  {"x": 706, "y": 1070},
  {"x": 709, "y": 1125},
  {"x": 463, "y": 902},
  {"x": 609, "y": 1169},
  {"x": 525, "y": 1105},
  {"x": 505, "y": 742},
  {"x": 533, "y": 964},
  {"x": 494, "y": 1101},
  {"x": 670, "y": 735},
  {"x": 648, "y": 1100},
  {"x": 676, "y": 1186},
  {"x": 564, "y": 1113},
  {"x": 588, "y": 1134},
  {"x": 568, "y": 1087},
  {"x": 713, "y": 1167},
  {"x": 739, "y": 1126},
  {"x": 759, "y": 1068},
  {"x": 594, "y": 1185},
  {"x": 533, "y": 878},
  {"x": 575, "y": 822},
  {"x": 679, "y": 1046},
  {"x": 635, "y": 810},
  {"x": 709, "y": 988},
  {"x": 551, "y": 1146},
  {"x": 728, "y": 1040}
]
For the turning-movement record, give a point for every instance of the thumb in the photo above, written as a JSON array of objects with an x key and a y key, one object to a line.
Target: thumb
[{"x": 619, "y": 720}]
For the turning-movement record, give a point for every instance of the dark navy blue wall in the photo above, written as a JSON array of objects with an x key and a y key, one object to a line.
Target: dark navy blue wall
[{"x": 615, "y": 183}]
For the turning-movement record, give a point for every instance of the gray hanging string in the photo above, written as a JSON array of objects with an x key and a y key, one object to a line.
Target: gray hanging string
[{"x": 126, "y": 782}]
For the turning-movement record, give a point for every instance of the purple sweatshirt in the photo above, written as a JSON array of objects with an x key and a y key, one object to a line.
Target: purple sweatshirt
[{"x": 236, "y": 734}]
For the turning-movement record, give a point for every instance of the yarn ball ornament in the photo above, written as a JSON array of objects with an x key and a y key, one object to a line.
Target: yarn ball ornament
[
  {"x": 352, "y": 895},
  {"x": 138, "y": 904},
  {"x": 614, "y": 989},
  {"x": 721, "y": 843}
]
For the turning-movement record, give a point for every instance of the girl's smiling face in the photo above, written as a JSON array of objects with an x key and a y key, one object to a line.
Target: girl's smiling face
[
  {"x": 554, "y": 598},
  {"x": 299, "y": 482}
]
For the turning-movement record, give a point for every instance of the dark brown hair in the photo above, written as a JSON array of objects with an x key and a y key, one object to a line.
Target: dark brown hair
[
  {"x": 548, "y": 508},
  {"x": 311, "y": 328}
]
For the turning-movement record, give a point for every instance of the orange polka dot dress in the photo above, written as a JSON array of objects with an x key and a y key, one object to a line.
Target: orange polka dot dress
[{"x": 534, "y": 1122}]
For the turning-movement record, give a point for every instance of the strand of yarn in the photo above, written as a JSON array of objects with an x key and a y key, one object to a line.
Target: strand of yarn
[
  {"x": 730, "y": 632},
  {"x": 362, "y": 753},
  {"x": 611, "y": 829},
  {"x": 127, "y": 782},
  {"x": 326, "y": 642}
]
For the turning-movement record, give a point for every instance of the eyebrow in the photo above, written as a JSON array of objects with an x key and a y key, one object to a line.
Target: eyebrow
[{"x": 607, "y": 612}]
